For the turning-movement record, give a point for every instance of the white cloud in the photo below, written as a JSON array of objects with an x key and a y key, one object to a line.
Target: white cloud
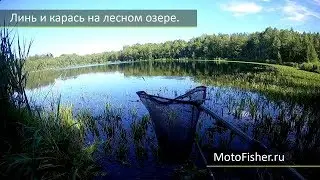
[
  {"x": 317, "y": 2},
  {"x": 297, "y": 12},
  {"x": 271, "y": 9},
  {"x": 270, "y": 0},
  {"x": 243, "y": 8}
]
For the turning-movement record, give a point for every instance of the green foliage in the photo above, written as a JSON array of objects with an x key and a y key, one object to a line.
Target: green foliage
[
  {"x": 37, "y": 145},
  {"x": 279, "y": 59},
  {"x": 312, "y": 67},
  {"x": 276, "y": 81},
  {"x": 12, "y": 92},
  {"x": 292, "y": 64},
  {"x": 12, "y": 75},
  {"x": 139, "y": 128},
  {"x": 271, "y": 44},
  {"x": 40, "y": 62},
  {"x": 51, "y": 147}
]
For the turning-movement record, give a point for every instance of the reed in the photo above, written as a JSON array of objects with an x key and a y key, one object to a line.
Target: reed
[{"x": 34, "y": 144}]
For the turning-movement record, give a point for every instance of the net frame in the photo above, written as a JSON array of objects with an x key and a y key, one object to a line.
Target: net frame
[{"x": 175, "y": 136}]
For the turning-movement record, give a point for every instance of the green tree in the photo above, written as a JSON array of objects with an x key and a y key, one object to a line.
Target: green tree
[{"x": 310, "y": 52}]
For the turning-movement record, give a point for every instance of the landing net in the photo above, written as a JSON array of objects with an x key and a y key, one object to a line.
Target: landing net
[{"x": 175, "y": 120}]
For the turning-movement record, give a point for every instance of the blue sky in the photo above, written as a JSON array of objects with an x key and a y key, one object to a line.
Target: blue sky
[{"x": 214, "y": 16}]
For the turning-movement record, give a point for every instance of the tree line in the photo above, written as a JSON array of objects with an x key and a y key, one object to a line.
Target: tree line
[{"x": 272, "y": 44}]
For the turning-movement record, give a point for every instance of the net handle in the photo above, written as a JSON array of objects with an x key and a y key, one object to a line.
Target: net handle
[{"x": 255, "y": 142}]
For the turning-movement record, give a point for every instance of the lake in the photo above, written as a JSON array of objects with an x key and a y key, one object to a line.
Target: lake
[{"x": 108, "y": 92}]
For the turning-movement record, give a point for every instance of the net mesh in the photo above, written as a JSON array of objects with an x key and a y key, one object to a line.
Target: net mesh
[{"x": 175, "y": 120}]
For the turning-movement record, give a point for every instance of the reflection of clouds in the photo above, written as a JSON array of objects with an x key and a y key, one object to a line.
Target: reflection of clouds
[{"x": 92, "y": 91}]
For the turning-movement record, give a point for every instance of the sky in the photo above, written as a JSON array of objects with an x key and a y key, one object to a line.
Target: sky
[{"x": 213, "y": 16}]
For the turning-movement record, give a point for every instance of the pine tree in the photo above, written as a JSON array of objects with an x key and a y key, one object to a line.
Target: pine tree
[
  {"x": 310, "y": 51},
  {"x": 312, "y": 54},
  {"x": 279, "y": 59},
  {"x": 276, "y": 46}
]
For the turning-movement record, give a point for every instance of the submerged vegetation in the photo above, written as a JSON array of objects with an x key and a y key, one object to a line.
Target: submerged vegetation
[
  {"x": 276, "y": 81},
  {"x": 286, "y": 118},
  {"x": 61, "y": 144}
]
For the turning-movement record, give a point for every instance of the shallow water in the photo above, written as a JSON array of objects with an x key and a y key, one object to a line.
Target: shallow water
[{"x": 93, "y": 87}]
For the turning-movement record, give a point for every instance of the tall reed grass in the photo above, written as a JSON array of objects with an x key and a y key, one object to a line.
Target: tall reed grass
[{"x": 37, "y": 145}]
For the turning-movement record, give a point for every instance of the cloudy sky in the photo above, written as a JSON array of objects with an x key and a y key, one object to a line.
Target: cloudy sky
[{"x": 214, "y": 16}]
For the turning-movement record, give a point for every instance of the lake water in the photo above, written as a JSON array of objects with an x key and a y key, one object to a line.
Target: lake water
[{"x": 97, "y": 88}]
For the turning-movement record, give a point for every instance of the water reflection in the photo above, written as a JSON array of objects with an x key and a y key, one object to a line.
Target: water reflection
[
  {"x": 128, "y": 140},
  {"x": 151, "y": 68}
]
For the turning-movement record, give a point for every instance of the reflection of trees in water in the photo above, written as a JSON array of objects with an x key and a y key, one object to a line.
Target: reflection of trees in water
[
  {"x": 291, "y": 120},
  {"x": 245, "y": 75},
  {"x": 287, "y": 126},
  {"x": 154, "y": 68}
]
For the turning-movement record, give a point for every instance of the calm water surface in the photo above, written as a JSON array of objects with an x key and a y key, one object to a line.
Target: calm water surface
[{"x": 92, "y": 88}]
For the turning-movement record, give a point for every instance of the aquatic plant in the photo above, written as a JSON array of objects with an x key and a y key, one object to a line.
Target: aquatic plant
[
  {"x": 37, "y": 145},
  {"x": 139, "y": 128}
]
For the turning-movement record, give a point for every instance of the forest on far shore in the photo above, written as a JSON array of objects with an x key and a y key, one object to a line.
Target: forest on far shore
[{"x": 272, "y": 45}]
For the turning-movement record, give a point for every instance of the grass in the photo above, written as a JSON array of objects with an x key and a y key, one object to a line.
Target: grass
[
  {"x": 298, "y": 89},
  {"x": 277, "y": 81},
  {"x": 139, "y": 129},
  {"x": 38, "y": 144},
  {"x": 51, "y": 148},
  {"x": 289, "y": 128},
  {"x": 312, "y": 67},
  {"x": 54, "y": 145},
  {"x": 117, "y": 143}
]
